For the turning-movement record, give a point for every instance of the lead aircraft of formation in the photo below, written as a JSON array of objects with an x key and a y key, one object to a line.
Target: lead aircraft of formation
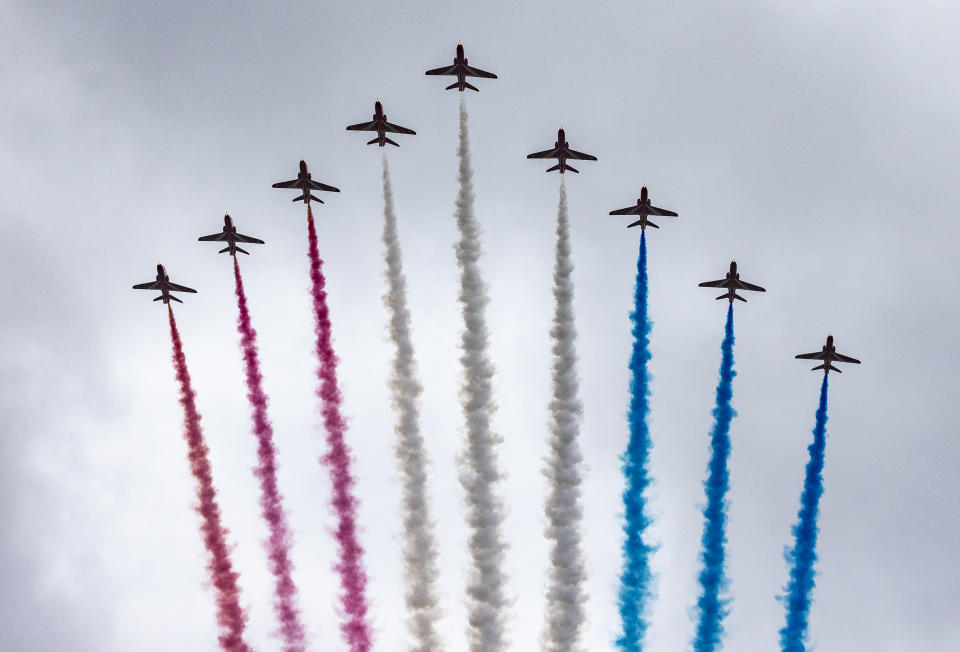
[{"x": 461, "y": 71}]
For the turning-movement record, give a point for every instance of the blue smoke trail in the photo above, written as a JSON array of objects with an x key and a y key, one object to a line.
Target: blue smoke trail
[
  {"x": 794, "y": 634},
  {"x": 635, "y": 577},
  {"x": 712, "y": 580}
]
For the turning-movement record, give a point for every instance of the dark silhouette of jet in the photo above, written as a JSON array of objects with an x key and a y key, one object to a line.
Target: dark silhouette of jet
[
  {"x": 305, "y": 184},
  {"x": 732, "y": 283},
  {"x": 561, "y": 151},
  {"x": 380, "y": 125},
  {"x": 829, "y": 355},
  {"x": 231, "y": 237},
  {"x": 164, "y": 285},
  {"x": 643, "y": 209},
  {"x": 461, "y": 71}
]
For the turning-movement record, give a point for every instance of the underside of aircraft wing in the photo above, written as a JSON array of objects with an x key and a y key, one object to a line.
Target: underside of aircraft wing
[
  {"x": 449, "y": 70},
  {"x": 743, "y": 285},
  {"x": 811, "y": 356},
  {"x": 213, "y": 237},
  {"x": 153, "y": 285},
  {"x": 397, "y": 129},
  {"x": 547, "y": 153},
  {"x": 714, "y": 284},
  {"x": 363, "y": 126},
  {"x": 293, "y": 183},
  {"x": 476, "y": 72},
  {"x": 316, "y": 185},
  {"x": 246, "y": 238},
  {"x": 180, "y": 288},
  {"x": 845, "y": 358},
  {"x": 572, "y": 153},
  {"x": 629, "y": 210},
  {"x": 662, "y": 211}
]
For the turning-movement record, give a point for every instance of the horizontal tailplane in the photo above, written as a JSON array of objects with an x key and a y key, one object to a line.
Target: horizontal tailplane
[
  {"x": 452, "y": 86},
  {"x": 242, "y": 251},
  {"x": 391, "y": 142},
  {"x": 471, "y": 86}
]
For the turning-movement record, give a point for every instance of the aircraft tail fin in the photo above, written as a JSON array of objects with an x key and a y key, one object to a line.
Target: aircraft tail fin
[
  {"x": 316, "y": 199},
  {"x": 159, "y": 298},
  {"x": 555, "y": 167},
  {"x": 649, "y": 223},
  {"x": 173, "y": 298},
  {"x": 470, "y": 86},
  {"x": 303, "y": 198},
  {"x": 571, "y": 169},
  {"x": 374, "y": 141},
  {"x": 452, "y": 86},
  {"x": 737, "y": 296},
  {"x": 224, "y": 250},
  {"x": 826, "y": 368},
  {"x": 391, "y": 142},
  {"x": 242, "y": 251}
]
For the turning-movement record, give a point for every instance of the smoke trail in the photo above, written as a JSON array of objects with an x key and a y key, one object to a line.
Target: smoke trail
[
  {"x": 271, "y": 501},
  {"x": 353, "y": 578},
  {"x": 711, "y": 608},
  {"x": 794, "y": 634},
  {"x": 230, "y": 616},
  {"x": 565, "y": 596},
  {"x": 419, "y": 542},
  {"x": 635, "y": 577},
  {"x": 486, "y": 603}
]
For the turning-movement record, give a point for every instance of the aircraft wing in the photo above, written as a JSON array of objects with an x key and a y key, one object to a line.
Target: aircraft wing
[
  {"x": 180, "y": 288},
  {"x": 363, "y": 126},
  {"x": 819, "y": 355},
  {"x": 396, "y": 129},
  {"x": 662, "y": 211},
  {"x": 714, "y": 284},
  {"x": 293, "y": 183},
  {"x": 213, "y": 237},
  {"x": 316, "y": 185},
  {"x": 572, "y": 153},
  {"x": 743, "y": 285},
  {"x": 470, "y": 71},
  {"x": 629, "y": 210},
  {"x": 845, "y": 358},
  {"x": 449, "y": 70},
  {"x": 547, "y": 153},
  {"x": 153, "y": 285},
  {"x": 246, "y": 238}
]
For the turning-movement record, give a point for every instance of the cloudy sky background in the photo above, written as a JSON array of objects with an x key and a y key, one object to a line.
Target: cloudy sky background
[{"x": 815, "y": 143}]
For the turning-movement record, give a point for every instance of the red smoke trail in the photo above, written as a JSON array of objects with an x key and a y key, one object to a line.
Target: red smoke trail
[
  {"x": 353, "y": 579},
  {"x": 230, "y": 616},
  {"x": 271, "y": 502}
]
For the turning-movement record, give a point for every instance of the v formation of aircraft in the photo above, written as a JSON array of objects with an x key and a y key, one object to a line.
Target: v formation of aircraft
[{"x": 561, "y": 151}]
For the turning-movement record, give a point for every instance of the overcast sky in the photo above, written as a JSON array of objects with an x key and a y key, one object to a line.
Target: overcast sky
[{"x": 816, "y": 143}]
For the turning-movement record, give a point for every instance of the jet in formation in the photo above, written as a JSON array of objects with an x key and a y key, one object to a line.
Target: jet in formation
[
  {"x": 829, "y": 355},
  {"x": 164, "y": 285},
  {"x": 643, "y": 209},
  {"x": 231, "y": 237},
  {"x": 380, "y": 125},
  {"x": 561, "y": 151},
  {"x": 461, "y": 71},
  {"x": 732, "y": 283},
  {"x": 305, "y": 184}
]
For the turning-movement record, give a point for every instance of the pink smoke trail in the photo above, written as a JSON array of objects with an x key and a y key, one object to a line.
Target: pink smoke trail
[
  {"x": 271, "y": 501},
  {"x": 353, "y": 579},
  {"x": 230, "y": 616}
]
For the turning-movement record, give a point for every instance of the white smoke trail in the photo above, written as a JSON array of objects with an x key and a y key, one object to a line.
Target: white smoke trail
[
  {"x": 419, "y": 542},
  {"x": 565, "y": 594},
  {"x": 486, "y": 603}
]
